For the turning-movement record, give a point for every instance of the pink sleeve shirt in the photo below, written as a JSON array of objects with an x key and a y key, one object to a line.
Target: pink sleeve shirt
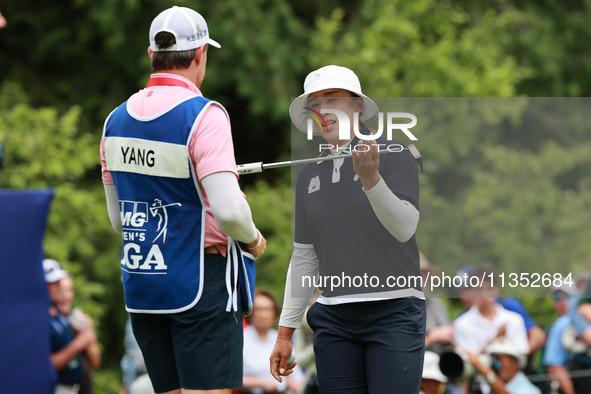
[{"x": 211, "y": 147}]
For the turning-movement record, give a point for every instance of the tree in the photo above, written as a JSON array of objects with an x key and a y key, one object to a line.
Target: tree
[
  {"x": 549, "y": 38},
  {"x": 46, "y": 149},
  {"x": 93, "y": 54},
  {"x": 503, "y": 177},
  {"x": 271, "y": 210}
]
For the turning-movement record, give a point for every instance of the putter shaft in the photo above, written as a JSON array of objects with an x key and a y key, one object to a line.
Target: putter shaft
[{"x": 253, "y": 168}]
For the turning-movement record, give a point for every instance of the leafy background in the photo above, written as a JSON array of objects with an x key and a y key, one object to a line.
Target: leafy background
[{"x": 489, "y": 194}]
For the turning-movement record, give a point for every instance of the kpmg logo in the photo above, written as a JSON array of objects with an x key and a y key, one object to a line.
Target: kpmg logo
[
  {"x": 345, "y": 125},
  {"x": 138, "y": 230}
]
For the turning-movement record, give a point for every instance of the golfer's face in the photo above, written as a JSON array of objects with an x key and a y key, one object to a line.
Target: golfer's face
[{"x": 338, "y": 99}]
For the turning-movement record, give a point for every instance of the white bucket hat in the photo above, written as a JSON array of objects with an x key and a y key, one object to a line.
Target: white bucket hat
[
  {"x": 188, "y": 27},
  {"x": 504, "y": 346},
  {"x": 330, "y": 77},
  {"x": 431, "y": 367}
]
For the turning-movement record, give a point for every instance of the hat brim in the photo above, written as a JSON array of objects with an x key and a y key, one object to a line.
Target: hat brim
[
  {"x": 214, "y": 43},
  {"x": 299, "y": 115},
  {"x": 56, "y": 276},
  {"x": 519, "y": 357},
  {"x": 435, "y": 375}
]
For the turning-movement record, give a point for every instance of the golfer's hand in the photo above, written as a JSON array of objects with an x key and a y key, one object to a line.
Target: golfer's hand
[
  {"x": 258, "y": 246},
  {"x": 278, "y": 359},
  {"x": 366, "y": 164}
]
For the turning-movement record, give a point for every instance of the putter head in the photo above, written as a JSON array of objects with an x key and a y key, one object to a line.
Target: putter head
[{"x": 417, "y": 155}]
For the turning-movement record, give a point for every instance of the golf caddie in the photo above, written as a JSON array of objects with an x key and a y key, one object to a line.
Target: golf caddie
[{"x": 170, "y": 180}]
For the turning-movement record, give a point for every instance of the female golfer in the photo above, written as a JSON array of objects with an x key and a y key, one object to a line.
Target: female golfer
[{"x": 354, "y": 239}]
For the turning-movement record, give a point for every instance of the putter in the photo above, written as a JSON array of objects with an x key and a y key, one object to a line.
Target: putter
[{"x": 253, "y": 168}]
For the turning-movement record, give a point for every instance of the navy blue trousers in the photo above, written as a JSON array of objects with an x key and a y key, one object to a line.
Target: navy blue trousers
[{"x": 369, "y": 347}]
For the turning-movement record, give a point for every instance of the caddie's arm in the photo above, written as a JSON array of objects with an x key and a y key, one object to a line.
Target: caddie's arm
[
  {"x": 113, "y": 208},
  {"x": 232, "y": 212}
]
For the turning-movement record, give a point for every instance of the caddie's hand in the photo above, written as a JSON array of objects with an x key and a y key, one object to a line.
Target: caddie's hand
[
  {"x": 366, "y": 160},
  {"x": 279, "y": 357},
  {"x": 258, "y": 246}
]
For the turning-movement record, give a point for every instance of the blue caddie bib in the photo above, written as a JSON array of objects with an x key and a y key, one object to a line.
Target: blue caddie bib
[{"x": 162, "y": 210}]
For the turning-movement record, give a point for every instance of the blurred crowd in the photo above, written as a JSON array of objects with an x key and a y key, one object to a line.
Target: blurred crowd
[
  {"x": 495, "y": 346},
  {"x": 492, "y": 346},
  {"x": 74, "y": 346}
]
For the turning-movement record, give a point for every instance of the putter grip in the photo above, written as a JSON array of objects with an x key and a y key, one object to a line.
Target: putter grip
[{"x": 250, "y": 168}]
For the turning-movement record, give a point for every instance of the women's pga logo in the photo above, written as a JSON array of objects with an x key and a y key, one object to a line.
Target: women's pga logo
[{"x": 345, "y": 127}]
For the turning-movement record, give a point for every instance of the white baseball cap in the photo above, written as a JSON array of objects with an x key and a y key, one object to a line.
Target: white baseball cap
[
  {"x": 188, "y": 27},
  {"x": 431, "y": 367},
  {"x": 330, "y": 77},
  {"x": 53, "y": 271}
]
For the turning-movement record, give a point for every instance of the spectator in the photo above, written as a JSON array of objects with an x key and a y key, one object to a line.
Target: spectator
[
  {"x": 3, "y": 22},
  {"x": 91, "y": 358},
  {"x": 259, "y": 340},
  {"x": 579, "y": 336},
  {"x": 577, "y": 339},
  {"x": 433, "y": 381},
  {"x": 584, "y": 311},
  {"x": 439, "y": 329},
  {"x": 66, "y": 346},
  {"x": 487, "y": 320},
  {"x": 505, "y": 376},
  {"x": 536, "y": 337},
  {"x": 581, "y": 280},
  {"x": 465, "y": 291},
  {"x": 556, "y": 357},
  {"x": 135, "y": 375}
]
